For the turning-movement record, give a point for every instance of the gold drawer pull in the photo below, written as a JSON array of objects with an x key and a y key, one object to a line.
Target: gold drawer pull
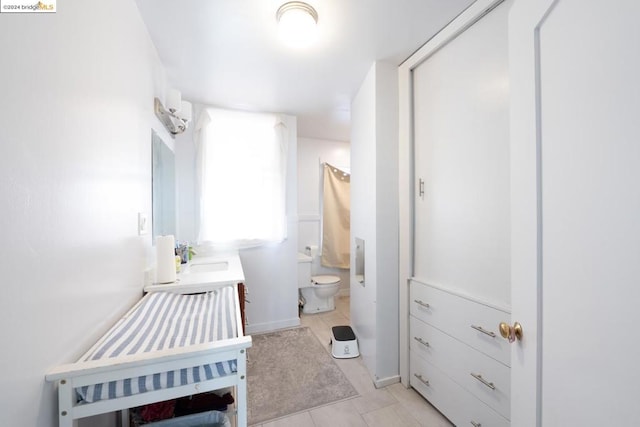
[
  {"x": 483, "y": 381},
  {"x": 422, "y": 380},
  {"x": 475, "y": 424},
  {"x": 419, "y": 302},
  {"x": 484, "y": 331},
  {"x": 421, "y": 341}
]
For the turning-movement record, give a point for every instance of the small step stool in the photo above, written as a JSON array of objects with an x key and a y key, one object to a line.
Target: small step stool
[{"x": 344, "y": 344}]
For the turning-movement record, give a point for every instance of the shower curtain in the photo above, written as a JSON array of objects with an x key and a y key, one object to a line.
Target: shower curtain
[{"x": 336, "y": 217}]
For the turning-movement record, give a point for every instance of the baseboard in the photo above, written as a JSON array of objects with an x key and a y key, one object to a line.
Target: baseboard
[
  {"x": 255, "y": 328},
  {"x": 383, "y": 382}
]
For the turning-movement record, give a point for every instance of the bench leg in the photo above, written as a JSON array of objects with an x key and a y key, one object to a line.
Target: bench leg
[
  {"x": 65, "y": 404},
  {"x": 241, "y": 389}
]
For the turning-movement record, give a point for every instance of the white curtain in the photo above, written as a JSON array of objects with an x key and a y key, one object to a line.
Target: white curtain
[
  {"x": 336, "y": 217},
  {"x": 241, "y": 174}
]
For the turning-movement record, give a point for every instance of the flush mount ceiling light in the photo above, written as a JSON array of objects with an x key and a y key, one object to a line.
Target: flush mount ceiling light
[
  {"x": 177, "y": 113},
  {"x": 297, "y": 23}
]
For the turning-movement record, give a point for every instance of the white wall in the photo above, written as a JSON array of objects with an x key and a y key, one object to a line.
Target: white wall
[
  {"x": 75, "y": 169},
  {"x": 185, "y": 155},
  {"x": 270, "y": 271},
  {"x": 374, "y": 218},
  {"x": 387, "y": 313},
  {"x": 311, "y": 152},
  {"x": 363, "y": 202}
]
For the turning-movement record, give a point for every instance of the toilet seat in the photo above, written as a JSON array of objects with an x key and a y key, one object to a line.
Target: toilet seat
[
  {"x": 319, "y": 295},
  {"x": 325, "y": 280}
]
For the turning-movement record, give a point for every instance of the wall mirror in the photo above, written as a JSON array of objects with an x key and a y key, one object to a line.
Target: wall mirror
[
  {"x": 360, "y": 261},
  {"x": 163, "y": 193}
]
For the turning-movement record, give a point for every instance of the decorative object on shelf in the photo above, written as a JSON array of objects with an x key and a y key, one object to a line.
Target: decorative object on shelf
[
  {"x": 176, "y": 115},
  {"x": 297, "y": 23}
]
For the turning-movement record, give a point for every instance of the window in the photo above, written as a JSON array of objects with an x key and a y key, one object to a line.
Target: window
[{"x": 242, "y": 178}]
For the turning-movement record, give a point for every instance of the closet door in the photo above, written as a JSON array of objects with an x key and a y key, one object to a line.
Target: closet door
[
  {"x": 461, "y": 232},
  {"x": 576, "y": 218}
]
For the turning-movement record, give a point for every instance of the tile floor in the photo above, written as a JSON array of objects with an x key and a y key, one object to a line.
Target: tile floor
[{"x": 391, "y": 406}]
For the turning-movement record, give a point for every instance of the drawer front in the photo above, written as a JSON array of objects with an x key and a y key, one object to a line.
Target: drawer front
[
  {"x": 479, "y": 374},
  {"x": 471, "y": 322},
  {"x": 461, "y": 407}
]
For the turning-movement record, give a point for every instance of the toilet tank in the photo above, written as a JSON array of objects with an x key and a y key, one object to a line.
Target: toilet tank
[{"x": 304, "y": 270}]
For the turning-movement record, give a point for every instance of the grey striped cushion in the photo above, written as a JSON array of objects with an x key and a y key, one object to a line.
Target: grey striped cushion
[{"x": 165, "y": 320}]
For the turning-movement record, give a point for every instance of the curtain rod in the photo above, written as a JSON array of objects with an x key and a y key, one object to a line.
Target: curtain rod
[{"x": 340, "y": 168}]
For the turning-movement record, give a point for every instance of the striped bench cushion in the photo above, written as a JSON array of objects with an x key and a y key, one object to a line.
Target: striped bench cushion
[{"x": 161, "y": 321}]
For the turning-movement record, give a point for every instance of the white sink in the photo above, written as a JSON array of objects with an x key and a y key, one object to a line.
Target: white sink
[
  {"x": 208, "y": 267},
  {"x": 204, "y": 274}
]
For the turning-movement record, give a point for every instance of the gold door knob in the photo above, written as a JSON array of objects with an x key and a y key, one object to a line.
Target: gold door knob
[{"x": 511, "y": 333}]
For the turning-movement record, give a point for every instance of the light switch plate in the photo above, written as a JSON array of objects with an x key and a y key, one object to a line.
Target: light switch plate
[{"x": 143, "y": 223}]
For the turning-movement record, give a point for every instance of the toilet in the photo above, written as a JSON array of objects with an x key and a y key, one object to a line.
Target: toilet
[{"x": 316, "y": 292}]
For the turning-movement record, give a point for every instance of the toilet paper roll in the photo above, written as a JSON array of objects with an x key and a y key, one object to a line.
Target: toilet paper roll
[
  {"x": 314, "y": 251},
  {"x": 165, "y": 259}
]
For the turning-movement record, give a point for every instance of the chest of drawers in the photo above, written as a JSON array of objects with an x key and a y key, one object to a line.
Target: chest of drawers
[{"x": 458, "y": 360}]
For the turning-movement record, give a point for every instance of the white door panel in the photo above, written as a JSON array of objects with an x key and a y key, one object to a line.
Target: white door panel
[
  {"x": 575, "y": 211},
  {"x": 461, "y": 101}
]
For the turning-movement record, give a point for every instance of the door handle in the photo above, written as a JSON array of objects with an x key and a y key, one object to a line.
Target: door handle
[
  {"x": 483, "y": 381},
  {"x": 484, "y": 331},
  {"x": 421, "y": 341},
  {"x": 421, "y": 303},
  {"x": 511, "y": 333},
  {"x": 422, "y": 379}
]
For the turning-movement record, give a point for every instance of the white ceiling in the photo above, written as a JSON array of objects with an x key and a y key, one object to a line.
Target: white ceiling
[{"x": 226, "y": 53}]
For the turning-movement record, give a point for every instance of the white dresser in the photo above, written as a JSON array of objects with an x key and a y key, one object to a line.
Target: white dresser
[{"x": 458, "y": 360}]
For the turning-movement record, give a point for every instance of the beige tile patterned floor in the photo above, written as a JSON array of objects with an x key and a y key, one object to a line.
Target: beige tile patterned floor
[{"x": 391, "y": 406}]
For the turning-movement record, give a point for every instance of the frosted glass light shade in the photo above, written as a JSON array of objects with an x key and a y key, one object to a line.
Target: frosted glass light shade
[{"x": 297, "y": 24}]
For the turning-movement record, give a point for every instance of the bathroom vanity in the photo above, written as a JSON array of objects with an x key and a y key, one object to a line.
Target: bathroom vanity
[
  {"x": 206, "y": 273},
  {"x": 201, "y": 274}
]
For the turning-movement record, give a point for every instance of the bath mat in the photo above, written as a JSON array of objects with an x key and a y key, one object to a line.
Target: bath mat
[{"x": 289, "y": 371}]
